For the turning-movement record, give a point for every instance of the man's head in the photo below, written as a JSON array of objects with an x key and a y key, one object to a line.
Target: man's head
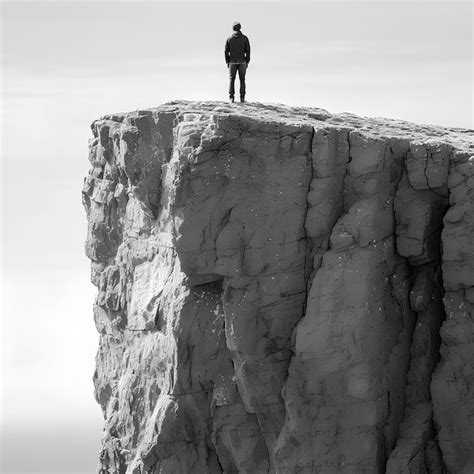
[{"x": 236, "y": 26}]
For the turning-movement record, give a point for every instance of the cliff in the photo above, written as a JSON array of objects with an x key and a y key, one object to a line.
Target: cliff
[{"x": 281, "y": 290}]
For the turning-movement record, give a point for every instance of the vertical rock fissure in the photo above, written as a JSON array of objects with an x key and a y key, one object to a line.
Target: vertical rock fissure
[
  {"x": 416, "y": 448},
  {"x": 309, "y": 260}
]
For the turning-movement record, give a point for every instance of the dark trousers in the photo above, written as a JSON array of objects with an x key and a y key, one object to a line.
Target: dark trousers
[{"x": 233, "y": 68}]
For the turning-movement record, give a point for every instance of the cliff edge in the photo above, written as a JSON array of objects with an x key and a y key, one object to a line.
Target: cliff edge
[{"x": 281, "y": 290}]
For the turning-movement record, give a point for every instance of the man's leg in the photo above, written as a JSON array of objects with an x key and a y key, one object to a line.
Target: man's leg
[
  {"x": 232, "y": 73},
  {"x": 242, "y": 71}
]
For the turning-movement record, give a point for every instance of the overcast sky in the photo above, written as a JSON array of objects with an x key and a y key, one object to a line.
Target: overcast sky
[{"x": 65, "y": 64}]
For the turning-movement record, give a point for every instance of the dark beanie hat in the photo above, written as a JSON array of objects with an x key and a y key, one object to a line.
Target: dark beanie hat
[{"x": 236, "y": 26}]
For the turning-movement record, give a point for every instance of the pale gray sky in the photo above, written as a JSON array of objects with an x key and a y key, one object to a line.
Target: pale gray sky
[{"x": 64, "y": 64}]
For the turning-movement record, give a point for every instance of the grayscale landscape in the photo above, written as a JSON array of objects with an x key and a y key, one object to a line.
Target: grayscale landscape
[{"x": 190, "y": 284}]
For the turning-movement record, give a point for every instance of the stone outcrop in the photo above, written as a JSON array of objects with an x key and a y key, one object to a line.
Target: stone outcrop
[{"x": 281, "y": 290}]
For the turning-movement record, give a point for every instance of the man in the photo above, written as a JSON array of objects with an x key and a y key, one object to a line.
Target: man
[{"x": 237, "y": 57}]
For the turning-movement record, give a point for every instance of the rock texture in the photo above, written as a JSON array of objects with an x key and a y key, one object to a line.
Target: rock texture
[{"x": 281, "y": 290}]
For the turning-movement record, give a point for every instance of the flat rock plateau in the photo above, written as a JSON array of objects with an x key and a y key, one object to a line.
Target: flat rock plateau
[{"x": 281, "y": 290}]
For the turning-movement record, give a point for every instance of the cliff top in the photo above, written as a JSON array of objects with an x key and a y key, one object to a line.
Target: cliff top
[{"x": 460, "y": 138}]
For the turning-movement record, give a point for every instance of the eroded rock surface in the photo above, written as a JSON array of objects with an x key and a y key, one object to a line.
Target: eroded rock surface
[{"x": 281, "y": 290}]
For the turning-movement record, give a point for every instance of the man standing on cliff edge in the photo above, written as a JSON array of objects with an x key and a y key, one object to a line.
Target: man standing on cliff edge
[{"x": 237, "y": 57}]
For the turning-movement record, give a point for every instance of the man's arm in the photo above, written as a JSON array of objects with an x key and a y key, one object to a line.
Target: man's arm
[
  {"x": 247, "y": 51},
  {"x": 227, "y": 51}
]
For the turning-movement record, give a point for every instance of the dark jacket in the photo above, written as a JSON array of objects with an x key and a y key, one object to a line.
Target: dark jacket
[{"x": 237, "y": 48}]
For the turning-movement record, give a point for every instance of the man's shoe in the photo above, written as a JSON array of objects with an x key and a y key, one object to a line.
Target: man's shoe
[
  {"x": 231, "y": 100},
  {"x": 242, "y": 99}
]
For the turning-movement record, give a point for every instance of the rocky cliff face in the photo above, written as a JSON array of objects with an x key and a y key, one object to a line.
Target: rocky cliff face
[{"x": 282, "y": 290}]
